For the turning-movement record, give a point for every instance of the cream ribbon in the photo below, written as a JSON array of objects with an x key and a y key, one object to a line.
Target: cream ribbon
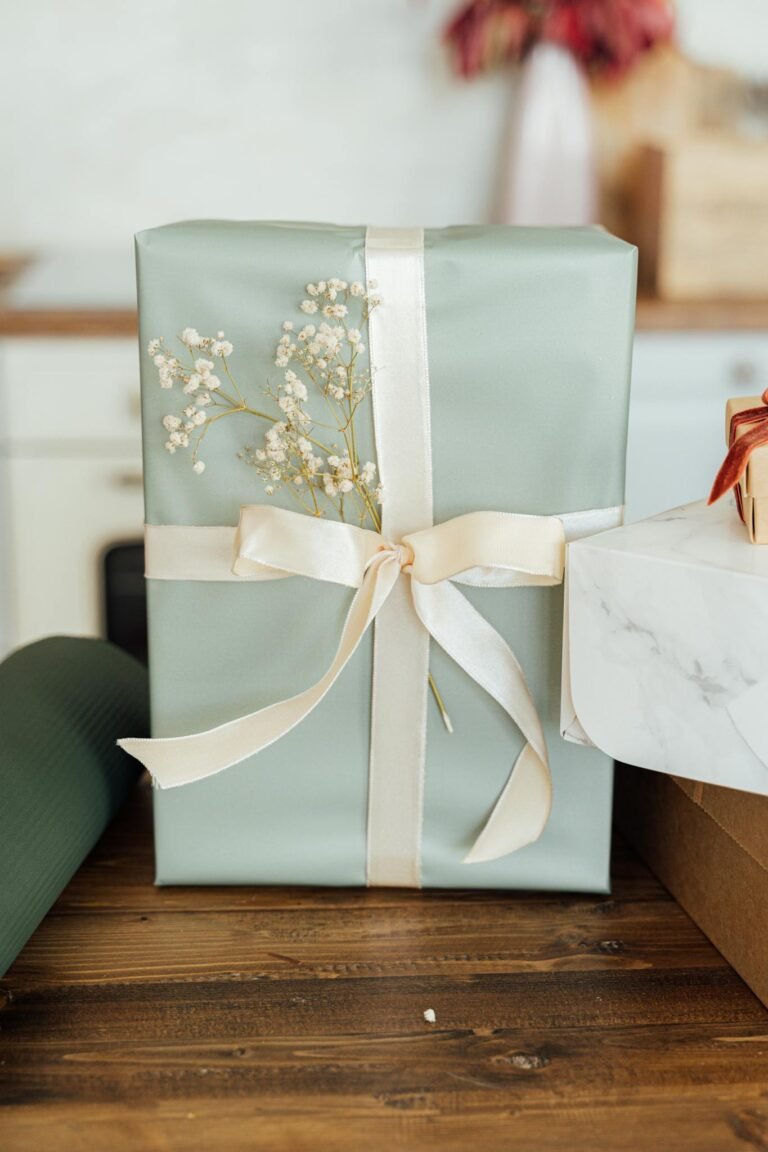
[
  {"x": 484, "y": 549},
  {"x": 397, "y": 340}
]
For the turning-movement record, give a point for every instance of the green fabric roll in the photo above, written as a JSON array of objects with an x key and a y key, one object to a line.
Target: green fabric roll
[{"x": 64, "y": 702}]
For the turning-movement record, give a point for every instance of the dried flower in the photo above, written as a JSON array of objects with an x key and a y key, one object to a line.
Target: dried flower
[
  {"x": 605, "y": 36},
  {"x": 323, "y": 360}
]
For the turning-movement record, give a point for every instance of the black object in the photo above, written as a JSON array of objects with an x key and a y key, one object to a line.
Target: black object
[{"x": 125, "y": 598}]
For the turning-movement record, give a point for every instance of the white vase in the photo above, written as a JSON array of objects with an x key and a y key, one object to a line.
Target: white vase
[{"x": 550, "y": 173}]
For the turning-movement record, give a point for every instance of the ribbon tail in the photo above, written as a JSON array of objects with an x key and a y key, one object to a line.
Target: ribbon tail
[
  {"x": 735, "y": 463},
  {"x": 178, "y": 760},
  {"x": 521, "y": 812},
  {"x": 522, "y": 809}
]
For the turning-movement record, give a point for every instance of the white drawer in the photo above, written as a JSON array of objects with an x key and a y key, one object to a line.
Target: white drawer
[
  {"x": 64, "y": 513},
  {"x": 70, "y": 390},
  {"x": 707, "y": 365}
]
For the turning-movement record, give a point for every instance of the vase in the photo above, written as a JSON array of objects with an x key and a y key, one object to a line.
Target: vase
[{"x": 549, "y": 174}]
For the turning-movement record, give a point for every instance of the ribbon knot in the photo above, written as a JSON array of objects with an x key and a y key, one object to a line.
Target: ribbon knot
[
  {"x": 402, "y": 553},
  {"x": 483, "y": 549}
]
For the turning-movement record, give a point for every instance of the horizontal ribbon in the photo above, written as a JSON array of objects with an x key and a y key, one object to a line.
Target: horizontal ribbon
[{"x": 484, "y": 549}]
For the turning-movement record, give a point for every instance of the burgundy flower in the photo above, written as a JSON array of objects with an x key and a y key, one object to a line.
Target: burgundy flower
[
  {"x": 604, "y": 35},
  {"x": 608, "y": 35},
  {"x": 486, "y": 33}
]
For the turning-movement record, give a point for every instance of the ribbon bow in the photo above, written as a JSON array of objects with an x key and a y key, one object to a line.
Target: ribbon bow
[
  {"x": 483, "y": 549},
  {"x": 739, "y": 451}
]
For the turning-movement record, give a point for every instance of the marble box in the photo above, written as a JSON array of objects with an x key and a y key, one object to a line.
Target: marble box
[{"x": 666, "y": 665}]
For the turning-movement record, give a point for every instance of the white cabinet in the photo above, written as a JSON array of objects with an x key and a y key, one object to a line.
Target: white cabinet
[
  {"x": 71, "y": 391},
  {"x": 71, "y": 464},
  {"x": 680, "y": 383}
]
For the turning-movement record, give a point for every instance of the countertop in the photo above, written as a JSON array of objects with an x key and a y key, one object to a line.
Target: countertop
[
  {"x": 291, "y": 1019},
  {"x": 92, "y": 294}
]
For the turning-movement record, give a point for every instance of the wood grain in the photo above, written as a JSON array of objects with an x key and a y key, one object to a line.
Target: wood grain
[
  {"x": 93, "y": 323},
  {"x": 288, "y": 1019}
]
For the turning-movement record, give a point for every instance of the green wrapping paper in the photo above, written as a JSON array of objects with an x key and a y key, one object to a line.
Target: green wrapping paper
[
  {"x": 529, "y": 347},
  {"x": 63, "y": 703}
]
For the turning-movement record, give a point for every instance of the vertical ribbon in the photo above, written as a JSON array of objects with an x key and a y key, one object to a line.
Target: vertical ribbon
[{"x": 397, "y": 340}]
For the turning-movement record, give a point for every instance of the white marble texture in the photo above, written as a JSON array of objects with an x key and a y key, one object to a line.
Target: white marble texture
[{"x": 668, "y": 646}]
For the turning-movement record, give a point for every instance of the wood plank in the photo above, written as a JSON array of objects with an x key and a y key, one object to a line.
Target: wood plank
[
  {"x": 714, "y": 1122},
  {"x": 649, "y": 1062},
  {"x": 234, "y": 1004},
  {"x": 426, "y": 937}
]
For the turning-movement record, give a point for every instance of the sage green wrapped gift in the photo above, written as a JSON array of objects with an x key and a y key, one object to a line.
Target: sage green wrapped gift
[{"x": 500, "y": 367}]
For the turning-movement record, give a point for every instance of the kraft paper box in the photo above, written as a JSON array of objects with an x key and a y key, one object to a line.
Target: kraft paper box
[
  {"x": 709, "y": 847},
  {"x": 666, "y": 664},
  {"x": 754, "y": 482},
  {"x": 513, "y": 346}
]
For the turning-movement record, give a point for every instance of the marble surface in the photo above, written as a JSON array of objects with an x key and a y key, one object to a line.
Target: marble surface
[{"x": 667, "y": 646}]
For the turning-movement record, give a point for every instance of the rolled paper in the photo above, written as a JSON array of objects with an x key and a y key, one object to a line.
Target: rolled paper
[{"x": 63, "y": 703}]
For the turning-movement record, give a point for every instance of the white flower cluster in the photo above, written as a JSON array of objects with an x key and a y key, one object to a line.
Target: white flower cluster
[
  {"x": 199, "y": 384},
  {"x": 325, "y": 357}
]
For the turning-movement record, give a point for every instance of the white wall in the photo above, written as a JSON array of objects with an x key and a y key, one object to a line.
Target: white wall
[
  {"x": 118, "y": 116},
  {"x": 131, "y": 114},
  {"x": 727, "y": 34}
]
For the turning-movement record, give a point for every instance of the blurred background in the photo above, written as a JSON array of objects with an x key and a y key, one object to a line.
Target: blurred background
[{"x": 649, "y": 118}]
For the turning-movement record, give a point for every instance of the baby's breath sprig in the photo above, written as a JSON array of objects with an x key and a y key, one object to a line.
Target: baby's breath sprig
[
  {"x": 315, "y": 461},
  {"x": 206, "y": 398},
  {"x": 320, "y": 457}
]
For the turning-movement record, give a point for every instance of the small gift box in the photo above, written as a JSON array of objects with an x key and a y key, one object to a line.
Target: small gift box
[
  {"x": 666, "y": 663},
  {"x": 745, "y": 468},
  {"x": 346, "y": 428},
  {"x": 709, "y": 846}
]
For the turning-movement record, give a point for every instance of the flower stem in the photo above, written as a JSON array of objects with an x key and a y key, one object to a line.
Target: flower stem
[{"x": 440, "y": 703}]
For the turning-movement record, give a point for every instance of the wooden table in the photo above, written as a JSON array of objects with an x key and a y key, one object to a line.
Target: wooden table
[{"x": 144, "y": 1019}]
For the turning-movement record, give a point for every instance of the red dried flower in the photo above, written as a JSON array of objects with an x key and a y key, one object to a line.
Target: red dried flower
[
  {"x": 604, "y": 35},
  {"x": 608, "y": 35},
  {"x": 486, "y": 33}
]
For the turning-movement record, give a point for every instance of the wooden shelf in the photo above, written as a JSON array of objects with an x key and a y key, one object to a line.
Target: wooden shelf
[
  {"x": 701, "y": 315},
  {"x": 652, "y": 316},
  {"x": 93, "y": 323}
]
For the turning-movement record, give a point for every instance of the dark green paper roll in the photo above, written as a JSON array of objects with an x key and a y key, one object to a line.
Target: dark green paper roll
[{"x": 63, "y": 704}]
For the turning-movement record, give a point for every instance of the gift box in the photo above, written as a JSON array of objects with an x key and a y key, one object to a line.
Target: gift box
[
  {"x": 667, "y": 648},
  {"x": 752, "y": 499},
  {"x": 709, "y": 847},
  {"x": 496, "y": 365}
]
